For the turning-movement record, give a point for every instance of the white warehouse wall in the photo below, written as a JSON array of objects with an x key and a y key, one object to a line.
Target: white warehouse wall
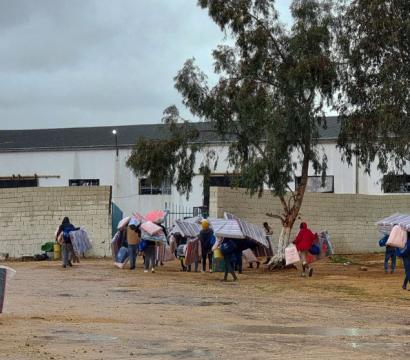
[{"x": 112, "y": 171}]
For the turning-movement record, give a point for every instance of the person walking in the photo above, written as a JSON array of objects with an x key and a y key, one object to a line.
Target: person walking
[
  {"x": 390, "y": 254},
  {"x": 133, "y": 239},
  {"x": 304, "y": 241},
  {"x": 205, "y": 237},
  {"x": 66, "y": 247},
  {"x": 269, "y": 233},
  {"x": 150, "y": 253},
  {"x": 229, "y": 258},
  {"x": 406, "y": 263}
]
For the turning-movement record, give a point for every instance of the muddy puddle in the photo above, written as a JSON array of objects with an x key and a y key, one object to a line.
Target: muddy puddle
[
  {"x": 65, "y": 336},
  {"x": 318, "y": 331},
  {"x": 140, "y": 298}
]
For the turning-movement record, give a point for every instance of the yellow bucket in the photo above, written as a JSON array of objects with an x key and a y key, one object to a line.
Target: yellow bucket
[
  {"x": 57, "y": 251},
  {"x": 218, "y": 254}
]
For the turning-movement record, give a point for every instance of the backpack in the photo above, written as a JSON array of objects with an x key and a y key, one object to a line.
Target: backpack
[
  {"x": 228, "y": 247},
  {"x": 66, "y": 232}
]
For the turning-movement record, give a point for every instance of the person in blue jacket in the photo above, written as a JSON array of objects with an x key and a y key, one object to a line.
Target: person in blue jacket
[
  {"x": 205, "y": 237},
  {"x": 229, "y": 250},
  {"x": 390, "y": 254},
  {"x": 67, "y": 247}
]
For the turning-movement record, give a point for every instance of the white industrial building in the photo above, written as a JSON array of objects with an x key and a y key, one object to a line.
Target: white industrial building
[{"x": 96, "y": 156}]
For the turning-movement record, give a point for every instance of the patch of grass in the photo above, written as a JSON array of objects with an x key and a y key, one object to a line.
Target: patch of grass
[
  {"x": 339, "y": 259},
  {"x": 343, "y": 289}
]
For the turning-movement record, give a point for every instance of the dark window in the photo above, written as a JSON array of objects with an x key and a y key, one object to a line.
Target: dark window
[
  {"x": 226, "y": 180},
  {"x": 84, "y": 182},
  {"x": 396, "y": 183},
  {"x": 18, "y": 181},
  {"x": 221, "y": 181},
  {"x": 147, "y": 188},
  {"x": 314, "y": 184}
]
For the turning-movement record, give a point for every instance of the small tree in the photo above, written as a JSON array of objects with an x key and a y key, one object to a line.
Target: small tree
[
  {"x": 374, "y": 40},
  {"x": 274, "y": 84}
]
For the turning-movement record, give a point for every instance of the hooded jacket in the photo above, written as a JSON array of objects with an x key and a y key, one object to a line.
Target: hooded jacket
[
  {"x": 305, "y": 238},
  {"x": 205, "y": 238}
]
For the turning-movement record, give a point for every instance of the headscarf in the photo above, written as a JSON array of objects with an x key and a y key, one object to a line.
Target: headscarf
[{"x": 205, "y": 224}]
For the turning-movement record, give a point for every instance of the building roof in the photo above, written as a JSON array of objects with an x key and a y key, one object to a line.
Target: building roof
[{"x": 94, "y": 138}]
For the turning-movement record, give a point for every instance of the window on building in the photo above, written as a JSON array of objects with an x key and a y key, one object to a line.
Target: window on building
[
  {"x": 84, "y": 182},
  {"x": 396, "y": 183},
  {"x": 18, "y": 181},
  {"x": 314, "y": 184},
  {"x": 147, "y": 188}
]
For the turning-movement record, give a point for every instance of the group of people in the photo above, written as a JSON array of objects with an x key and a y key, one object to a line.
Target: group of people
[
  {"x": 130, "y": 238},
  {"x": 231, "y": 249}
]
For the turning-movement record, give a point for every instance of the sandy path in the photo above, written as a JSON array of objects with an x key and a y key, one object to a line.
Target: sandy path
[{"x": 94, "y": 311}]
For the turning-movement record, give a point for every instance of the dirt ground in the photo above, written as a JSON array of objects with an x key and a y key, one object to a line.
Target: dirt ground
[{"x": 95, "y": 311}]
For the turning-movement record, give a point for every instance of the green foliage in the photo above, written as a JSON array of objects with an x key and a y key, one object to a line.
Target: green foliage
[
  {"x": 170, "y": 158},
  {"x": 272, "y": 88},
  {"x": 270, "y": 97},
  {"x": 374, "y": 40}
]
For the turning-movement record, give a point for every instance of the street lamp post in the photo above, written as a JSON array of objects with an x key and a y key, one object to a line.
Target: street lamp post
[{"x": 116, "y": 141}]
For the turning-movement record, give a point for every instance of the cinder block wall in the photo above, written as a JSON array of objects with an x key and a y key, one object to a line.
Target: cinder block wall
[
  {"x": 349, "y": 219},
  {"x": 29, "y": 217}
]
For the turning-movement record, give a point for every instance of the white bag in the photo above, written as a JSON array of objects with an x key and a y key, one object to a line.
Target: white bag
[
  {"x": 397, "y": 237},
  {"x": 291, "y": 255}
]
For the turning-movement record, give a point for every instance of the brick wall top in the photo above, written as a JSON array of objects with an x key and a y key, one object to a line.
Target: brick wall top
[
  {"x": 349, "y": 218},
  {"x": 30, "y": 216}
]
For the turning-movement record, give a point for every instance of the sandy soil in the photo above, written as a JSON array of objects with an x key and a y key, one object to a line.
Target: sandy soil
[{"x": 95, "y": 311}]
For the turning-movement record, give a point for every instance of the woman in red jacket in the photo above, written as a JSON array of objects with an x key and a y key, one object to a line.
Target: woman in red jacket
[{"x": 304, "y": 241}]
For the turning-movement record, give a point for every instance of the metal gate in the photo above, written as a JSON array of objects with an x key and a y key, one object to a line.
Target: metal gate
[
  {"x": 117, "y": 215},
  {"x": 176, "y": 212}
]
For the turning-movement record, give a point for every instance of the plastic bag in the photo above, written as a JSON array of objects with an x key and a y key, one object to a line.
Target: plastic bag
[
  {"x": 383, "y": 240},
  {"x": 291, "y": 255},
  {"x": 142, "y": 245},
  {"x": 122, "y": 254},
  {"x": 314, "y": 250},
  {"x": 397, "y": 237}
]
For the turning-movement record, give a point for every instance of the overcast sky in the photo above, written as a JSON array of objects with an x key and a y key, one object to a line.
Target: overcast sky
[{"x": 70, "y": 63}]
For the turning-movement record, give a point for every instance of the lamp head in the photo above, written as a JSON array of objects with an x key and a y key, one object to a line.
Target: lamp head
[{"x": 114, "y": 132}]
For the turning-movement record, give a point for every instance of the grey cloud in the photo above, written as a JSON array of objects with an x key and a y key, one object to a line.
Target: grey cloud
[{"x": 97, "y": 62}]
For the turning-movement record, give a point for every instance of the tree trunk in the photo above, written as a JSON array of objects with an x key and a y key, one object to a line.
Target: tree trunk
[{"x": 277, "y": 259}]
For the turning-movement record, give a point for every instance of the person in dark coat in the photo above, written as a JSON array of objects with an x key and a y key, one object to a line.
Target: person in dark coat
[
  {"x": 390, "y": 254},
  {"x": 205, "y": 236},
  {"x": 67, "y": 247},
  {"x": 406, "y": 263},
  {"x": 269, "y": 233},
  {"x": 304, "y": 241},
  {"x": 229, "y": 250}
]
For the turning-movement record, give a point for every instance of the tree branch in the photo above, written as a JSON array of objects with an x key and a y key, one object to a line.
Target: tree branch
[
  {"x": 274, "y": 41},
  {"x": 276, "y": 217}
]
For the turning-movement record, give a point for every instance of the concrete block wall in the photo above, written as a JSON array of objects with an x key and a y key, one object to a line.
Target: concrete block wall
[
  {"x": 349, "y": 218},
  {"x": 29, "y": 217}
]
